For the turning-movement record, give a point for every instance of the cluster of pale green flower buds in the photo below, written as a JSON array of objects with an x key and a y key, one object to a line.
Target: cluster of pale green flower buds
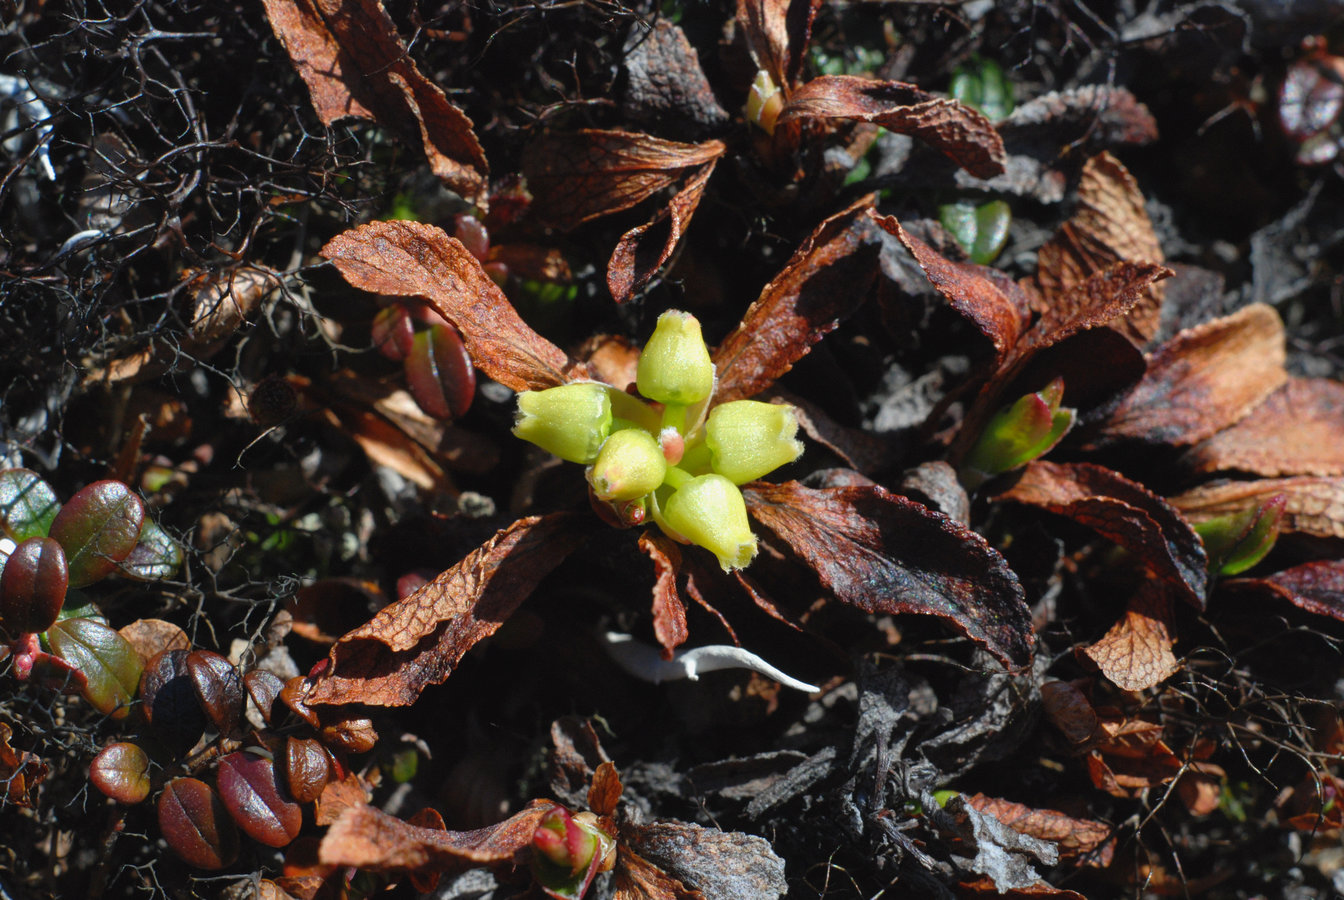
[{"x": 671, "y": 457}]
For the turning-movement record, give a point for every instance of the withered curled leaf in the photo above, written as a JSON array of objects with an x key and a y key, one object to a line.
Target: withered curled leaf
[
  {"x": 1136, "y": 653},
  {"x": 669, "y": 612},
  {"x": 418, "y": 641},
  {"x": 1317, "y": 587},
  {"x": 884, "y": 553},
  {"x": 370, "y": 839},
  {"x": 637, "y": 256},
  {"x": 1075, "y": 838},
  {"x": 1298, "y": 430}
]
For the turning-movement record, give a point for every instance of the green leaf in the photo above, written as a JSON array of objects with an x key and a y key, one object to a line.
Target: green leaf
[
  {"x": 98, "y": 527},
  {"x": 104, "y": 657},
  {"x": 980, "y": 230},
  {"x": 981, "y": 84},
  {"x": 1238, "y": 541},
  {"x": 156, "y": 555},
  {"x": 27, "y": 504}
]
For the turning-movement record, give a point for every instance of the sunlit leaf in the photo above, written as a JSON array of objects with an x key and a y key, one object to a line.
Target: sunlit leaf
[
  {"x": 32, "y": 586},
  {"x": 98, "y": 527},
  {"x": 195, "y": 824},
  {"x": 121, "y": 771},
  {"x": 105, "y": 658},
  {"x": 156, "y": 555},
  {"x": 27, "y": 504},
  {"x": 248, "y": 789}
]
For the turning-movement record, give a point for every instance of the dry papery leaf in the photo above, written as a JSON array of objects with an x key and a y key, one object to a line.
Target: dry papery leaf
[
  {"x": 1110, "y": 226},
  {"x": 664, "y": 80},
  {"x": 1129, "y": 756},
  {"x": 949, "y": 126},
  {"x": 777, "y": 33},
  {"x": 355, "y": 65},
  {"x": 985, "y": 887},
  {"x": 20, "y": 772},
  {"x": 1136, "y": 653},
  {"x": 1122, "y": 511},
  {"x": 1088, "y": 840},
  {"x": 1298, "y": 430},
  {"x": 669, "y": 612},
  {"x": 386, "y": 445},
  {"x": 884, "y": 553},
  {"x": 715, "y": 863},
  {"x": 418, "y": 641},
  {"x": 634, "y": 262},
  {"x": 580, "y": 175},
  {"x": 338, "y": 796},
  {"x": 409, "y": 259},
  {"x": 1315, "y": 506},
  {"x": 1203, "y": 380},
  {"x": 1069, "y": 710},
  {"x": 638, "y": 879},
  {"x": 823, "y": 283},
  {"x": 1317, "y": 587}
]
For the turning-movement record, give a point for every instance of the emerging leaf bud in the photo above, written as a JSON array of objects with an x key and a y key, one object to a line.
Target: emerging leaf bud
[
  {"x": 1238, "y": 541},
  {"x": 629, "y": 465},
  {"x": 675, "y": 367},
  {"x": 1015, "y": 436},
  {"x": 748, "y": 439},
  {"x": 709, "y": 511},
  {"x": 568, "y": 851},
  {"x": 571, "y": 420},
  {"x": 764, "y": 102}
]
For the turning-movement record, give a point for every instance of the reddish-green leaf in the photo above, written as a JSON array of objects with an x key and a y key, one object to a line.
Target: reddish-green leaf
[
  {"x": 884, "y": 553},
  {"x": 195, "y": 824},
  {"x": 98, "y": 528},
  {"x": 439, "y": 372},
  {"x": 32, "y": 586},
  {"x": 155, "y": 556},
  {"x": 248, "y": 788},
  {"x": 27, "y": 504},
  {"x": 105, "y": 658},
  {"x": 169, "y": 702},
  {"x": 218, "y": 687},
  {"x": 393, "y": 332},
  {"x": 121, "y": 771}
]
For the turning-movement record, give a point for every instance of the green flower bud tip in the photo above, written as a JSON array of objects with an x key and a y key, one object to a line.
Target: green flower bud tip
[
  {"x": 629, "y": 465},
  {"x": 748, "y": 439},
  {"x": 1027, "y": 430},
  {"x": 571, "y": 420},
  {"x": 709, "y": 511},
  {"x": 674, "y": 367}
]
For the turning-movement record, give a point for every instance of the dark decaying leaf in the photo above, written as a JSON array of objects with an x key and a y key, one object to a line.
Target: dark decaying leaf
[
  {"x": 884, "y": 553},
  {"x": 1136, "y": 653},
  {"x": 715, "y": 863},
  {"x": 98, "y": 528},
  {"x": 408, "y": 259},
  {"x": 639, "y": 254},
  {"x": 27, "y": 504},
  {"x": 638, "y": 879},
  {"x": 106, "y": 659},
  {"x": 249, "y": 791},
  {"x": 195, "y": 824},
  {"x": 21, "y": 771},
  {"x": 1298, "y": 430},
  {"x": 121, "y": 771},
  {"x": 986, "y": 846},
  {"x": 373, "y": 840},
  {"x": 664, "y": 81},
  {"x": 1100, "y": 298},
  {"x": 1317, "y": 587},
  {"x": 581, "y": 175},
  {"x": 1203, "y": 380},
  {"x": 168, "y": 701},
  {"x": 1313, "y": 506},
  {"x": 1075, "y": 838},
  {"x": 418, "y": 641},
  {"x": 354, "y": 64},
  {"x": 1122, "y": 511},
  {"x": 823, "y": 282},
  {"x": 669, "y": 612},
  {"x": 954, "y": 129},
  {"x": 577, "y": 755}
]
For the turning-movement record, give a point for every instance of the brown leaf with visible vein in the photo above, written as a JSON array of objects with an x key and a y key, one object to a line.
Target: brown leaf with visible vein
[
  {"x": 1136, "y": 653},
  {"x": 605, "y": 792},
  {"x": 20, "y": 772},
  {"x": 1315, "y": 506},
  {"x": 638, "y": 879},
  {"x": 634, "y": 262},
  {"x": 409, "y": 259},
  {"x": 1122, "y": 511},
  {"x": 1098, "y": 299},
  {"x": 338, "y": 796},
  {"x": 1298, "y": 430},
  {"x": 354, "y": 64},
  {"x": 1068, "y": 710},
  {"x": 1204, "y": 379},
  {"x": 580, "y": 175},
  {"x": 1110, "y": 226},
  {"x": 824, "y": 282},
  {"x": 669, "y": 612},
  {"x": 1074, "y": 837},
  {"x": 957, "y": 131},
  {"x": 418, "y": 641},
  {"x": 665, "y": 82},
  {"x": 1317, "y": 587},
  {"x": 777, "y": 33},
  {"x": 984, "y": 296},
  {"x": 369, "y": 839},
  {"x": 884, "y": 553}
]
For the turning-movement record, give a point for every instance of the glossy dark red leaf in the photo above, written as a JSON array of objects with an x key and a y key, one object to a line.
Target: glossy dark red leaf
[
  {"x": 249, "y": 791},
  {"x": 1317, "y": 587},
  {"x": 106, "y": 659},
  {"x": 195, "y": 824},
  {"x": 393, "y": 331},
  {"x": 168, "y": 701},
  {"x": 263, "y": 688},
  {"x": 32, "y": 586},
  {"x": 98, "y": 528},
  {"x": 884, "y": 553},
  {"x": 121, "y": 771},
  {"x": 218, "y": 687},
  {"x": 307, "y": 768},
  {"x": 439, "y": 372}
]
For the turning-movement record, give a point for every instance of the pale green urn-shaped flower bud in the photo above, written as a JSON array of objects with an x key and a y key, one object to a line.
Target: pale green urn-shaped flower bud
[
  {"x": 709, "y": 511},
  {"x": 675, "y": 367},
  {"x": 629, "y": 465},
  {"x": 571, "y": 420},
  {"x": 748, "y": 439}
]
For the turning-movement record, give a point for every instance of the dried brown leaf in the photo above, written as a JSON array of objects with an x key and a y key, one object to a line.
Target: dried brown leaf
[
  {"x": 418, "y": 641},
  {"x": 386, "y": 445},
  {"x": 1122, "y": 511},
  {"x": 985, "y": 887},
  {"x": 577, "y": 755},
  {"x": 638, "y": 879},
  {"x": 1204, "y": 379},
  {"x": 664, "y": 80},
  {"x": 954, "y": 129},
  {"x": 355, "y": 65},
  {"x": 634, "y": 261},
  {"x": 21, "y": 772},
  {"x": 1315, "y": 506},
  {"x": 1069, "y": 711},
  {"x": 605, "y": 792},
  {"x": 1074, "y": 837},
  {"x": 1136, "y": 653},
  {"x": 777, "y": 33},
  {"x": 338, "y": 796},
  {"x": 1110, "y": 226},
  {"x": 716, "y": 863},
  {"x": 1317, "y": 587},
  {"x": 150, "y": 637},
  {"x": 532, "y": 261},
  {"x": 1298, "y": 430},
  {"x": 222, "y": 302},
  {"x": 669, "y": 612},
  {"x": 580, "y": 175},
  {"x": 369, "y": 839},
  {"x": 1098, "y": 299},
  {"x": 884, "y": 553},
  {"x": 409, "y": 259}
]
